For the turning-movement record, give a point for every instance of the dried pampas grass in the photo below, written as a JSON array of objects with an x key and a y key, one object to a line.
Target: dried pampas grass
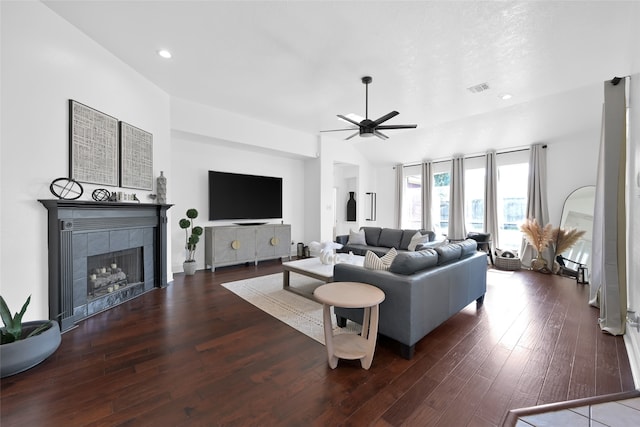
[
  {"x": 537, "y": 236},
  {"x": 565, "y": 239}
]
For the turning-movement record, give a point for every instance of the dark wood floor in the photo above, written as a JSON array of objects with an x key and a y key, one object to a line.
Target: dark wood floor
[{"x": 196, "y": 354}]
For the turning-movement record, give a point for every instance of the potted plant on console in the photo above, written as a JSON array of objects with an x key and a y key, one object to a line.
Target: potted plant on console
[
  {"x": 24, "y": 345},
  {"x": 192, "y": 237}
]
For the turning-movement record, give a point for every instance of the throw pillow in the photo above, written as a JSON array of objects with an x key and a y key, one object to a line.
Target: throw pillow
[
  {"x": 418, "y": 239},
  {"x": 356, "y": 238},
  {"x": 373, "y": 262}
]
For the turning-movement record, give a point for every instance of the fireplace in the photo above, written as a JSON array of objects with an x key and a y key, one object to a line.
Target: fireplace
[{"x": 102, "y": 254}]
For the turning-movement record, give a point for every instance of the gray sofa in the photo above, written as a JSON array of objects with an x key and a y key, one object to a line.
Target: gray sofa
[
  {"x": 422, "y": 290},
  {"x": 380, "y": 240}
]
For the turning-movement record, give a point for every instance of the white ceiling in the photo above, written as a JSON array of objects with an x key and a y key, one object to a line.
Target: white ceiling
[{"x": 298, "y": 64}]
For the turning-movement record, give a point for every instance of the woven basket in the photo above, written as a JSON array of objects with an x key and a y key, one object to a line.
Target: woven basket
[{"x": 510, "y": 264}]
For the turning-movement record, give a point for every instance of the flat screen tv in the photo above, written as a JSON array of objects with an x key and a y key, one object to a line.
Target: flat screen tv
[{"x": 239, "y": 196}]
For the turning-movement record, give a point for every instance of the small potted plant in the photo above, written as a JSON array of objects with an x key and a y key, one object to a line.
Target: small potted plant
[
  {"x": 24, "y": 345},
  {"x": 192, "y": 237}
]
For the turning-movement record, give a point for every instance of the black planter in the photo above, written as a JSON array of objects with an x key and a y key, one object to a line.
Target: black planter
[
  {"x": 21, "y": 355},
  {"x": 351, "y": 207}
]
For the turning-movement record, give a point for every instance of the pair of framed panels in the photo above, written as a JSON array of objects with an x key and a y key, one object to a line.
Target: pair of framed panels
[{"x": 106, "y": 151}]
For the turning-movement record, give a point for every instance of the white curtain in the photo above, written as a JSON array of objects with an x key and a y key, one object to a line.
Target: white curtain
[
  {"x": 491, "y": 199},
  {"x": 399, "y": 191},
  {"x": 537, "y": 200},
  {"x": 608, "y": 279},
  {"x": 457, "y": 228},
  {"x": 427, "y": 201}
]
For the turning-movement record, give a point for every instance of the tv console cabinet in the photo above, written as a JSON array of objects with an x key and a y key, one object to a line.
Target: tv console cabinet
[{"x": 237, "y": 244}]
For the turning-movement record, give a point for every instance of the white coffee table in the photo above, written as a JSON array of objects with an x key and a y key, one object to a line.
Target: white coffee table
[
  {"x": 350, "y": 295},
  {"x": 312, "y": 267}
]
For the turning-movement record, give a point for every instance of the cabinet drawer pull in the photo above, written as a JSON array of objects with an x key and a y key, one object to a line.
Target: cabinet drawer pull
[
  {"x": 235, "y": 244},
  {"x": 275, "y": 241}
]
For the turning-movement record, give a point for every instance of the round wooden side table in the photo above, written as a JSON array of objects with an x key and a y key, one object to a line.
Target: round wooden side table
[{"x": 350, "y": 295}]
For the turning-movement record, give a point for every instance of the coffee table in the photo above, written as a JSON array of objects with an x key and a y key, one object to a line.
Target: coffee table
[
  {"x": 312, "y": 267},
  {"x": 350, "y": 295}
]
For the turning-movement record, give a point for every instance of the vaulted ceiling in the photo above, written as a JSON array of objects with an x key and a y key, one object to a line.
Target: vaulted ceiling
[{"x": 298, "y": 64}]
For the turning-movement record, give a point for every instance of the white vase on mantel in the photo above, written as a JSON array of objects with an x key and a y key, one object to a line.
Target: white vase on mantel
[{"x": 161, "y": 188}]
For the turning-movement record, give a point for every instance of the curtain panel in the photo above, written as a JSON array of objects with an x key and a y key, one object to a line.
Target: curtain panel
[
  {"x": 427, "y": 195},
  {"x": 399, "y": 194},
  {"x": 537, "y": 207},
  {"x": 457, "y": 228},
  {"x": 608, "y": 280},
  {"x": 491, "y": 199}
]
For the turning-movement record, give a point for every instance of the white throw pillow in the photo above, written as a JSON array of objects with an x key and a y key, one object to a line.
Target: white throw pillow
[
  {"x": 357, "y": 238},
  {"x": 418, "y": 239},
  {"x": 373, "y": 262}
]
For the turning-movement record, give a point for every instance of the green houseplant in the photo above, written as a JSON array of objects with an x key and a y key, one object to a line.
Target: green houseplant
[
  {"x": 25, "y": 344},
  {"x": 192, "y": 237}
]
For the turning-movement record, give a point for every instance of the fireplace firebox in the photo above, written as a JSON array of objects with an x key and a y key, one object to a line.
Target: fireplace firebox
[{"x": 102, "y": 254}]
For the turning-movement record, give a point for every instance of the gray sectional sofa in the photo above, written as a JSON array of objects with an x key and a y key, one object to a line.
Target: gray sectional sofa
[
  {"x": 423, "y": 289},
  {"x": 380, "y": 240}
]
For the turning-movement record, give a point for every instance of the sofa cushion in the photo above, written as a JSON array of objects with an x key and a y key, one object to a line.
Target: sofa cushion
[
  {"x": 371, "y": 234},
  {"x": 406, "y": 239},
  {"x": 432, "y": 244},
  {"x": 356, "y": 238},
  {"x": 418, "y": 239},
  {"x": 448, "y": 253},
  {"x": 373, "y": 262},
  {"x": 469, "y": 247},
  {"x": 390, "y": 237},
  {"x": 411, "y": 262}
]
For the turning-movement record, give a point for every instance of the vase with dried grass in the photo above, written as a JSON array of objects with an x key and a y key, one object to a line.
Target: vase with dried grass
[{"x": 539, "y": 238}]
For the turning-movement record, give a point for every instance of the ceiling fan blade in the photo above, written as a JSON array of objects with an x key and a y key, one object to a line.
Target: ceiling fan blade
[
  {"x": 338, "y": 130},
  {"x": 380, "y": 134},
  {"x": 345, "y": 118},
  {"x": 355, "y": 134},
  {"x": 397, "y": 127},
  {"x": 386, "y": 117}
]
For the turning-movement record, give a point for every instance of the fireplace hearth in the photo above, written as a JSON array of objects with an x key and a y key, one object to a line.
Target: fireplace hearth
[{"x": 102, "y": 254}]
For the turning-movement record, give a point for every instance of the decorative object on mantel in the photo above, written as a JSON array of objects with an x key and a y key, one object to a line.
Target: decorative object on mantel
[
  {"x": 136, "y": 157},
  {"x": 101, "y": 195},
  {"x": 93, "y": 141},
  {"x": 161, "y": 188},
  {"x": 539, "y": 237},
  {"x": 24, "y": 345},
  {"x": 351, "y": 207},
  {"x": 66, "y": 188},
  {"x": 191, "y": 240}
]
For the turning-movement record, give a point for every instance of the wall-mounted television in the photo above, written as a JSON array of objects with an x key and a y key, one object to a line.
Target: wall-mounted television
[{"x": 239, "y": 196}]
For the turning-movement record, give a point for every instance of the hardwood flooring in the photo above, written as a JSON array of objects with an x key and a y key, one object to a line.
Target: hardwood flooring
[{"x": 196, "y": 354}]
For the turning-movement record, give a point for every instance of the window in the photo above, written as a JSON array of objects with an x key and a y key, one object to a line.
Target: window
[
  {"x": 440, "y": 198},
  {"x": 412, "y": 198},
  {"x": 474, "y": 177},
  {"x": 513, "y": 176}
]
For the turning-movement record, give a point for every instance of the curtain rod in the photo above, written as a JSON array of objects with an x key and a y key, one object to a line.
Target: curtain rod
[{"x": 473, "y": 156}]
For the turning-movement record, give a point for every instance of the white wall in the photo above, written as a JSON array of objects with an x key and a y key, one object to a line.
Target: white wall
[
  {"x": 45, "y": 62},
  {"x": 192, "y": 157},
  {"x": 632, "y": 336}
]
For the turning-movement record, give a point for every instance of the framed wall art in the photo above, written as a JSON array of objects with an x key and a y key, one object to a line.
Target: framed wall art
[
  {"x": 136, "y": 158},
  {"x": 93, "y": 145}
]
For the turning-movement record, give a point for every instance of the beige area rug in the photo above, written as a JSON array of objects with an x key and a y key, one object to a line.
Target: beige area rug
[{"x": 302, "y": 314}]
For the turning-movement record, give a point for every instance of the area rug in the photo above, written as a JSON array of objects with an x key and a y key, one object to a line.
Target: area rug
[{"x": 302, "y": 314}]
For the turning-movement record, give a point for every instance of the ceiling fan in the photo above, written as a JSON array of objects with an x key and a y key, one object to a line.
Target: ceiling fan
[{"x": 367, "y": 127}]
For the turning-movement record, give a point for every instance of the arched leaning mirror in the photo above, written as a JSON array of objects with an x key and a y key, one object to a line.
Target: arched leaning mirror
[{"x": 577, "y": 213}]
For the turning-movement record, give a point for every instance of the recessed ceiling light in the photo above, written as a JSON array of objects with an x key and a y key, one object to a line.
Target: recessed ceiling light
[
  {"x": 505, "y": 96},
  {"x": 165, "y": 53}
]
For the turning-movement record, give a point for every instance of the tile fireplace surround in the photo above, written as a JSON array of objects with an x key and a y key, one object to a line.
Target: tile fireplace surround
[{"x": 79, "y": 230}]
